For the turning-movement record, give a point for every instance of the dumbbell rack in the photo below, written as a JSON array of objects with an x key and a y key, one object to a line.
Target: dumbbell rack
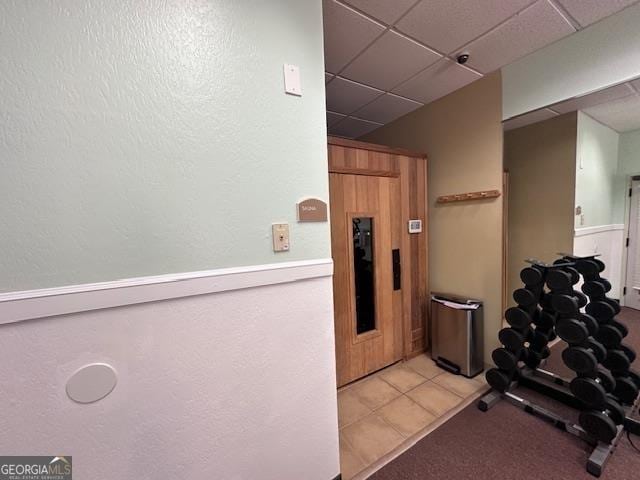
[
  {"x": 542, "y": 381},
  {"x": 557, "y": 388}
]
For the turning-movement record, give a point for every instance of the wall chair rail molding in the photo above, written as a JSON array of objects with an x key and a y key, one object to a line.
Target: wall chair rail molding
[
  {"x": 48, "y": 302},
  {"x": 580, "y": 232}
]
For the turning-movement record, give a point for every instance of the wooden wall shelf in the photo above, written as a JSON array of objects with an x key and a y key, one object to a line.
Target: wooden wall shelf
[{"x": 464, "y": 197}]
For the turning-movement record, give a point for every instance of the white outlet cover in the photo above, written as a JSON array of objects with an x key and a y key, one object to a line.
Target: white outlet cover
[{"x": 292, "y": 84}]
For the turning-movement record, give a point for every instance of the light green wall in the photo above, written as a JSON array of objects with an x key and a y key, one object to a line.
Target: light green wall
[
  {"x": 629, "y": 154},
  {"x": 141, "y": 138},
  {"x": 599, "y": 188}
]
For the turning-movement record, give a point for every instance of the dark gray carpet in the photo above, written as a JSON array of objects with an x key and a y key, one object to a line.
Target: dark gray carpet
[{"x": 507, "y": 443}]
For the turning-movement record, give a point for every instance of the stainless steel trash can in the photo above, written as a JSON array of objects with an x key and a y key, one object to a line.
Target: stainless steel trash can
[{"x": 457, "y": 331}]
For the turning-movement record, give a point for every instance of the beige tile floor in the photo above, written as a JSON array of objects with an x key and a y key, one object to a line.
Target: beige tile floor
[{"x": 378, "y": 414}]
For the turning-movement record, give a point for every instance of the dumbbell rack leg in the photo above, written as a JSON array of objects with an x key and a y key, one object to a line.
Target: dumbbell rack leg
[{"x": 602, "y": 452}]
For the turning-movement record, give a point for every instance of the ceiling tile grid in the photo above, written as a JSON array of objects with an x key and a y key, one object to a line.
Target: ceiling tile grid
[
  {"x": 623, "y": 115},
  {"x": 352, "y": 127},
  {"x": 529, "y": 118},
  {"x": 387, "y": 107},
  {"x": 586, "y": 12},
  {"x": 378, "y": 51},
  {"x": 447, "y": 25},
  {"x": 345, "y": 96},
  {"x": 538, "y": 25},
  {"x": 346, "y": 34},
  {"x": 382, "y": 66},
  {"x": 386, "y": 11},
  {"x": 586, "y": 101},
  {"x": 437, "y": 81}
]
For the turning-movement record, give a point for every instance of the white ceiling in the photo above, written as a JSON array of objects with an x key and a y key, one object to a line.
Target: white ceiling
[
  {"x": 385, "y": 58},
  {"x": 617, "y": 107}
]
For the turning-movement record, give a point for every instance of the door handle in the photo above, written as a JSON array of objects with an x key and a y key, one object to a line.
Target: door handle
[{"x": 397, "y": 269}]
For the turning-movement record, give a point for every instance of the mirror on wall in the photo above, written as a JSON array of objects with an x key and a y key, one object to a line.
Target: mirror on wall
[{"x": 572, "y": 171}]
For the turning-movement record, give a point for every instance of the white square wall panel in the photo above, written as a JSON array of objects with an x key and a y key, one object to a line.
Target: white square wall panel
[
  {"x": 587, "y": 12},
  {"x": 353, "y": 127},
  {"x": 346, "y": 33},
  {"x": 345, "y": 96},
  {"x": 531, "y": 29},
  {"x": 387, "y": 11},
  {"x": 386, "y": 108},
  {"x": 446, "y": 25},
  {"x": 438, "y": 80},
  {"x": 391, "y": 59},
  {"x": 592, "y": 99}
]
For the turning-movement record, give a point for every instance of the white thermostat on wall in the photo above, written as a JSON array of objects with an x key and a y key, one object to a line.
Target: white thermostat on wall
[{"x": 415, "y": 226}]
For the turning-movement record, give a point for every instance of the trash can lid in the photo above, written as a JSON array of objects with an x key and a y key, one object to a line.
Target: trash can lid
[{"x": 455, "y": 299}]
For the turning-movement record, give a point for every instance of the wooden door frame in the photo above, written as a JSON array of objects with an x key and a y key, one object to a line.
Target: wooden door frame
[{"x": 397, "y": 168}]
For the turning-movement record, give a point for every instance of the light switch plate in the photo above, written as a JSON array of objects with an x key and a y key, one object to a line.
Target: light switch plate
[
  {"x": 280, "y": 237},
  {"x": 292, "y": 84}
]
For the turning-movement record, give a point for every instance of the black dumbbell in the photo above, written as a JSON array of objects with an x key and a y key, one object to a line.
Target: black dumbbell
[
  {"x": 532, "y": 276},
  {"x": 584, "y": 359},
  {"x": 592, "y": 390},
  {"x": 601, "y": 311},
  {"x": 628, "y": 351},
  {"x": 616, "y": 360},
  {"x": 533, "y": 358},
  {"x": 498, "y": 379},
  {"x": 590, "y": 322},
  {"x": 572, "y": 331},
  {"x": 518, "y": 317},
  {"x": 609, "y": 335},
  {"x": 507, "y": 360},
  {"x": 559, "y": 279},
  {"x": 525, "y": 297},
  {"x": 602, "y": 425},
  {"x": 626, "y": 390}
]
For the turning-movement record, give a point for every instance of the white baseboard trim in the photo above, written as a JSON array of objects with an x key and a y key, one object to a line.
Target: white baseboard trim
[
  {"x": 579, "y": 232},
  {"x": 48, "y": 302}
]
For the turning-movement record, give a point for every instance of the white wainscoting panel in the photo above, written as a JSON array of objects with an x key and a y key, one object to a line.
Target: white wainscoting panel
[
  {"x": 234, "y": 383},
  {"x": 608, "y": 241}
]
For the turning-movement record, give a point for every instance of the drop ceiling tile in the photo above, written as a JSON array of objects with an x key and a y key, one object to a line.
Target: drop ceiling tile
[
  {"x": 387, "y": 11},
  {"x": 436, "y": 81},
  {"x": 386, "y": 108},
  {"x": 592, "y": 99},
  {"x": 622, "y": 115},
  {"x": 533, "y": 28},
  {"x": 636, "y": 84},
  {"x": 345, "y": 96},
  {"x": 446, "y": 25},
  {"x": 529, "y": 118},
  {"x": 587, "y": 12},
  {"x": 391, "y": 59},
  {"x": 353, "y": 127},
  {"x": 333, "y": 118},
  {"x": 346, "y": 33},
  {"x": 327, "y": 77}
]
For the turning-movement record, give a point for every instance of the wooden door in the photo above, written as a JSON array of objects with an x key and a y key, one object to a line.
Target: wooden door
[{"x": 365, "y": 231}]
